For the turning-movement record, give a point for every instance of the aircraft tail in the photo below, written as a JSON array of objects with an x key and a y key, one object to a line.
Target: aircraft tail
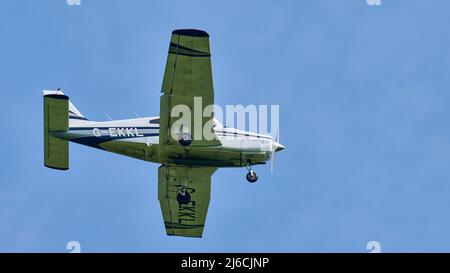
[{"x": 56, "y": 121}]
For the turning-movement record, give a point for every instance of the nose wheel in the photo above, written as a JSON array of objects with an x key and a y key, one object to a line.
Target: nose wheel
[{"x": 251, "y": 175}]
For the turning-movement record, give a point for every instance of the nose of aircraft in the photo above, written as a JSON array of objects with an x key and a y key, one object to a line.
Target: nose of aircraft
[{"x": 278, "y": 146}]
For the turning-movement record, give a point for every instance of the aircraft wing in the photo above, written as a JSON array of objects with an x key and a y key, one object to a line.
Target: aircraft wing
[
  {"x": 187, "y": 75},
  {"x": 184, "y": 194}
]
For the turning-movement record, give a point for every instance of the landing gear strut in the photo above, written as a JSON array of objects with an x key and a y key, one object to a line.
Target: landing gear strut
[{"x": 251, "y": 175}]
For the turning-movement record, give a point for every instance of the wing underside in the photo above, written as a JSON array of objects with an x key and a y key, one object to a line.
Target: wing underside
[
  {"x": 187, "y": 75},
  {"x": 184, "y": 194}
]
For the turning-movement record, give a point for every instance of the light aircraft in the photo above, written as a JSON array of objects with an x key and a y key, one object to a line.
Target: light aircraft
[{"x": 187, "y": 162}]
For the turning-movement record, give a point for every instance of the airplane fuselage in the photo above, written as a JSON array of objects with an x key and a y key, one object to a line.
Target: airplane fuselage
[{"x": 139, "y": 138}]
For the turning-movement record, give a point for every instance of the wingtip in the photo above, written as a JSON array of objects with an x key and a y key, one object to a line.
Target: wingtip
[
  {"x": 56, "y": 168},
  {"x": 191, "y": 32}
]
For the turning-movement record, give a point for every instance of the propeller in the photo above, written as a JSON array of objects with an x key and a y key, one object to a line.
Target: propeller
[
  {"x": 276, "y": 146},
  {"x": 272, "y": 147}
]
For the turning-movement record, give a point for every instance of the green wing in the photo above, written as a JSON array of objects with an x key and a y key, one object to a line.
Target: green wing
[
  {"x": 187, "y": 75},
  {"x": 185, "y": 218}
]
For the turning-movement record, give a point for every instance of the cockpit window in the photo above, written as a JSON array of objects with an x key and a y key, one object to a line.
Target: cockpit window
[{"x": 154, "y": 121}]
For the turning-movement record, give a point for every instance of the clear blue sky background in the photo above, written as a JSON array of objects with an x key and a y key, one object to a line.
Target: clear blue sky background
[{"x": 364, "y": 96}]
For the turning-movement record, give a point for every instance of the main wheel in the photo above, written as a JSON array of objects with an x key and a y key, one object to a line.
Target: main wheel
[
  {"x": 183, "y": 199},
  {"x": 252, "y": 177},
  {"x": 185, "y": 139}
]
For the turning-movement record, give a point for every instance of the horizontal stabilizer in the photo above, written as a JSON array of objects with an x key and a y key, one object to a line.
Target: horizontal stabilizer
[{"x": 56, "y": 120}]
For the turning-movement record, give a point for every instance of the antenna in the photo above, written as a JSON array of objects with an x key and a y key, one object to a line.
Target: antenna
[
  {"x": 137, "y": 115},
  {"x": 108, "y": 116}
]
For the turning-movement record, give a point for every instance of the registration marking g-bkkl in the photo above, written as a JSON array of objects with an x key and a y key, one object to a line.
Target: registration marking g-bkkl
[{"x": 119, "y": 132}]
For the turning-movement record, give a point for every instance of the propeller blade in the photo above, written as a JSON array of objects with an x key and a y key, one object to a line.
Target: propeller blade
[
  {"x": 272, "y": 159},
  {"x": 272, "y": 152}
]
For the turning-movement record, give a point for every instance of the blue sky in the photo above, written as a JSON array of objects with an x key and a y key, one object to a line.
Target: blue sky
[{"x": 363, "y": 94}]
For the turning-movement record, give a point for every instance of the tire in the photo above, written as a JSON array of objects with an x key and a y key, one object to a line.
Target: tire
[
  {"x": 185, "y": 139},
  {"x": 183, "y": 199},
  {"x": 251, "y": 178}
]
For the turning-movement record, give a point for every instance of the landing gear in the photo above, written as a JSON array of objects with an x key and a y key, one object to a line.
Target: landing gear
[
  {"x": 251, "y": 175},
  {"x": 185, "y": 139},
  {"x": 183, "y": 197}
]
